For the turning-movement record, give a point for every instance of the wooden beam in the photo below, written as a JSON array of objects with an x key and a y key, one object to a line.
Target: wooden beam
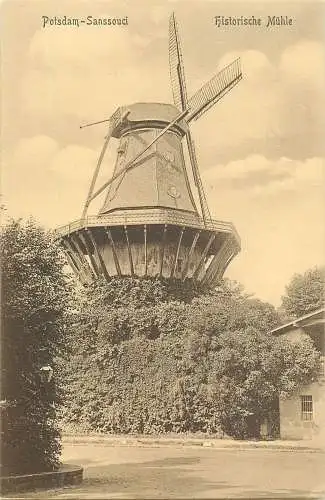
[
  {"x": 177, "y": 252},
  {"x": 162, "y": 250},
  {"x": 129, "y": 250},
  {"x": 84, "y": 274},
  {"x": 85, "y": 241},
  {"x": 72, "y": 251},
  {"x": 96, "y": 171},
  {"x": 221, "y": 269},
  {"x": 115, "y": 257},
  {"x": 98, "y": 254},
  {"x": 190, "y": 254},
  {"x": 67, "y": 251},
  {"x": 216, "y": 261},
  {"x": 70, "y": 260},
  {"x": 214, "y": 265},
  {"x": 145, "y": 250},
  {"x": 204, "y": 254},
  {"x": 76, "y": 242}
]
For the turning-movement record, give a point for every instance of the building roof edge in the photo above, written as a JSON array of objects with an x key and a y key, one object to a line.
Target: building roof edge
[{"x": 299, "y": 321}]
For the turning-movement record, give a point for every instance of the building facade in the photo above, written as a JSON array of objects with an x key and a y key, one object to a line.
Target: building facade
[{"x": 302, "y": 416}]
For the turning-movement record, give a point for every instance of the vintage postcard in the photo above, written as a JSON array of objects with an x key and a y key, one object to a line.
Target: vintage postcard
[{"x": 180, "y": 141}]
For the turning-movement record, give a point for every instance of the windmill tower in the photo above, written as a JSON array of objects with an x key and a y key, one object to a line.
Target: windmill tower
[{"x": 149, "y": 224}]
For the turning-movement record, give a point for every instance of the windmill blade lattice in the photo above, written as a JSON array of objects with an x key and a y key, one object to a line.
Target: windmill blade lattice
[
  {"x": 176, "y": 66},
  {"x": 197, "y": 178},
  {"x": 214, "y": 90}
]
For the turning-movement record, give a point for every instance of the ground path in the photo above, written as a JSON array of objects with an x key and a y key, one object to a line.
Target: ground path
[{"x": 191, "y": 472}]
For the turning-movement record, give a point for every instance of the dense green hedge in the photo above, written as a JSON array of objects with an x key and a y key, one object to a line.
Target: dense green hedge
[
  {"x": 34, "y": 301},
  {"x": 149, "y": 356}
]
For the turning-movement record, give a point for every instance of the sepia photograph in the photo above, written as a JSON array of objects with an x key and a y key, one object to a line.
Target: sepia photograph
[{"x": 162, "y": 249}]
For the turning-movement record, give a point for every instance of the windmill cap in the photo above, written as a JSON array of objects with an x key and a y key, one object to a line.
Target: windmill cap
[{"x": 146, "y": 114}]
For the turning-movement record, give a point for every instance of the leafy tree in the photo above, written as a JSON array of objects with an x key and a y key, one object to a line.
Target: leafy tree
[
  {"x": 249, "y": 370},
  {"x": 144, "y": 360},
  {"x": 35, "y": 295},
  {"x": 305, "y": 293}
]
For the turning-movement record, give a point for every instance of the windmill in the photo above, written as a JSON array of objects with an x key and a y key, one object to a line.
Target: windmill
[{"x": 149, "y": 224}]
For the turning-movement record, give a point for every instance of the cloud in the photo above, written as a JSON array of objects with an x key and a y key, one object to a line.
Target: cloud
[
  {"x": 71, "y": 49},
  {"x": 280, "y": 220},
  {"x": 262, "y": 176},
  {"x": 256, "y": 66},
  {"x": 53, "y": 181},
  {"x": 304, "y": 61},
  {"x": 237, "y": 169},
  {"x": 73, "y": 164},
  {"x": 33, "y": 153},
  {"x": 274, "y": 101},
  {"x": 89, "y": 72}
]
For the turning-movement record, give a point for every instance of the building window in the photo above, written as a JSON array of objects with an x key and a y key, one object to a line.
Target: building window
[
  {"x": 179, "y": 265},
  {"x": 306, "y": 407}
]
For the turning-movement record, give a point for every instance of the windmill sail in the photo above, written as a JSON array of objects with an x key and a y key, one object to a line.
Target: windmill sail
[
  {"x": 176, "y": 66},
  {"x": 177, "y": 76},
  {"x": 214, "y": 90}
]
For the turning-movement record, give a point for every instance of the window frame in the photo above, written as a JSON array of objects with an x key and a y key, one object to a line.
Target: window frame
[{"x": 306, "y": 408}]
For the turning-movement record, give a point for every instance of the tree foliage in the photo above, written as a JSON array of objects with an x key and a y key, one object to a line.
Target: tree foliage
[
  {"x": 145, "y": 359},
  {"x": 34, "y": 300},
  {"x": 305, "y": 293}
]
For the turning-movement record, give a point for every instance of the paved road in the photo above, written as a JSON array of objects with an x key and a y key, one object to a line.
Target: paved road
[{"x": 192, "y": 472}]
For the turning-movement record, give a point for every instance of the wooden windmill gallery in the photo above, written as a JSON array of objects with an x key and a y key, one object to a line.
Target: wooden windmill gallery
[{"x": 149, "y": 224}]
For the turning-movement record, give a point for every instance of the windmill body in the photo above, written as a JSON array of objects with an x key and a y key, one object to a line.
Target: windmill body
[
  {"x": 149, "y": 223},
  {"x": 159, "y": 177}
]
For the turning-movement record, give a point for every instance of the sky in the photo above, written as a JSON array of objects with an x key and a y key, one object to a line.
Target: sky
[{"x": 260, "y": 149}]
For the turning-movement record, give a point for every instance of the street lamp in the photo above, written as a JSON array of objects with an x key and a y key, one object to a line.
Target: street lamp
[{"x": 46, "y": 373}]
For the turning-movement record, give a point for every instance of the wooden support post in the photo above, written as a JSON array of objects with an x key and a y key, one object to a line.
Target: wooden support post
[
  {"x": 204, "y": 254},
  {"x": 83, "y": 273},
  {"x": 129, "y": 250},
  {"x": 162, "y": 252},
  {"x": 217, "y": 262},
  {"x": 70, "y": 260},
  {"x": 76, "y": 242},
  {"x": 74, "y": 252},
  {"x": 145, "y": 250},
  {"x": 85, "y": 241},
  {"x": 214, "y": 265},
  {"x": 190, "y": 254},
  {"x": 115, "y": 257},
  {"x": 217, "y": 275},
  {"x": 177, "y": 252},
  {"x": 96, "y": 171},
  {"x": 98, "y": 254}
]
